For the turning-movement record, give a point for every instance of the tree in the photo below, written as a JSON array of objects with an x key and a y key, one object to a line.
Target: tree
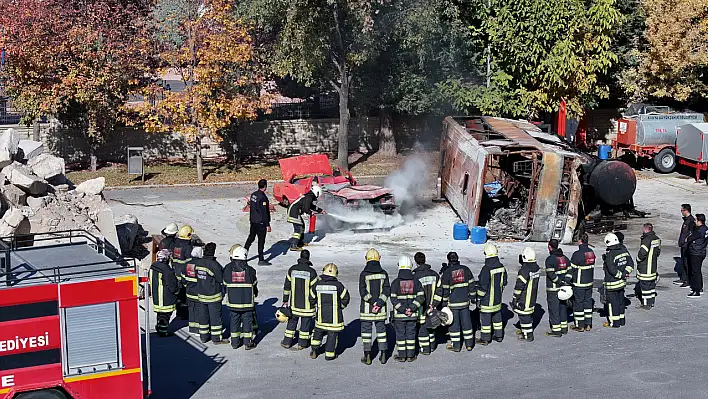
[
  {"x": 541, "y": 51},
  {"x": 212, "y": 53},
  {"x": 75, "y": 59}
]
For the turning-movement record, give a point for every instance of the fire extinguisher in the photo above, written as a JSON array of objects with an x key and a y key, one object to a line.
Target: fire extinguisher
[{"x": 313, "y": 223}]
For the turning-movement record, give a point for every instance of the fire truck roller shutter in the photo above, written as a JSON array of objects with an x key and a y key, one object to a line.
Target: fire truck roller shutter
[{"x": 92, "y": 339}]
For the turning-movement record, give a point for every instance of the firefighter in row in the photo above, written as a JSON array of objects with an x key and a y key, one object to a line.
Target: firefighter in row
[
  {"x": 330, "y": 297},
  {"x": 523, "y": 302},
  {"x": 407, "y": 298},
  {"x": 647, "y": 262},
  {"x": 181, "y": 246},
  {"x": 164, "y": 289},
  {"x": 296, "y": 297},
  {"x": 491, "y": 283},
  {"x": 187, "y": 276},
  {"x": 210, "y": 294},
  {"x": 617, "y": 265},
  {"x": 241, "y": 290},
  {"x": 169, "y": 241},
  {"x": 374, "y": 289},
  {"x": 428, "y": 279},
  {"x": 582, "y": 271},
  {"x": 557, "y": 266},
  {"x": 304, "y": 205},
  {"x": 457, "y": 289}
]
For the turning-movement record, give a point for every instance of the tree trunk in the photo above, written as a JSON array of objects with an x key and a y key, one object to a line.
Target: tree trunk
[
  {"x": 343, "y": 132},
  {"x": 198, "y": 149},
  {"x": 94, "y": 160},
  {"x": 35, "y": 130},
  {"x": 387, "y": 142}
]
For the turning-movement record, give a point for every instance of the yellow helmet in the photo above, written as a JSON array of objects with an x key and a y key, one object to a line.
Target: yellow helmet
[
  {"x": 330, "y": 269},
  {"x": 185, "y": 232},
  {"x": 283, "y": 314},
  {"x": 372, "y": 254},
  {"x": 490, "y": 250}
]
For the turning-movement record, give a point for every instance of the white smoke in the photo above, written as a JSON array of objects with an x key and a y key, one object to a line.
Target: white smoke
[{"x": 409, "y": 182}]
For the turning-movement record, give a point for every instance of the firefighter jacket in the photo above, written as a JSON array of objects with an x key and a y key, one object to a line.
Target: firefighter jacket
[
  {"x": 187, "y": 275},
  {"x": 296, "y": 290},
  {"x": 582, "y": 266},
  {"x": 615, "y": 264},
  {"x": 492, "y": 280},
  {"x": 182, "y": 249},
  {"x": 406, "y": 293},
  {"x": 163, "y": 287},
  {"x": 169, "y": 242},
  {"x": 209, "y": 279},
  {"x": 456, "y": 288},
  {"x": 697, "y": 241},
  {"x": 303, "y": 205},
  {"x": 648, "y": 256},
  {"x": 241, "y": 285},
  {"x": 689, "y": 224},
  {"x": 260, "y": 208},
  {"x": 526, "y": 288},
  {"x": 557, "y": 267},
  {"x": 374, "y": 288},
  {"x": 330, "y": 297},
  {"x": 429, "y": 280}
]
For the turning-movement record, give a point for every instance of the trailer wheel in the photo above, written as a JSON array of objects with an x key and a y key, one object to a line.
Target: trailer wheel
[
  {"x": 44, "y": 394},
  {"x": 665, "y": 161}
]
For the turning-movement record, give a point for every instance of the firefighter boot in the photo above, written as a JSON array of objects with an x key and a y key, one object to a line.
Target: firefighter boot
[
  {"x": 412, "y": 359},
  {"x": 577, "y": 329},
  {"x": 236, "y": 343},
  {"x": 313, "y": 353},
  {"x": 383, "y": 358},
  {"x": 588, "y": 328},
  {"x": 400, "y": 358},
  {"x": 482, "y": 342},
  {"x": 499, "y": 339},
  {"x": 366, "y": 359},
  {"x": 556, "y": 334},
  {"x": 250, "y": 345},
  {"x": 529, "y": 337}
]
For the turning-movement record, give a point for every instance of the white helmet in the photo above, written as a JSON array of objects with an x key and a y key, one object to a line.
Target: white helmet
[
  {"x": 528, "y": 255},
  {"x": 565, "y": 292},
  {"x": 611, "y": 239},
  {"x": 317, "y": 190},
  {"x": 197, "y": 252},
  {"x": 404, "y": 262},
  {"x": 170, "y": 229},
  {"x": 490, "y": 250},
  {"x": 239, "y": 253},
  {"x": 447, "y": 319}
]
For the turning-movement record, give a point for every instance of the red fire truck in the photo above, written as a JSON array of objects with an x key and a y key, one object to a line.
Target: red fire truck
[{"x": 70, "y": 319}]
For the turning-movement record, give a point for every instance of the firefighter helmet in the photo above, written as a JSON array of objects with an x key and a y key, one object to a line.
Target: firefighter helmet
[
  {"x": 405, "y": 263},
  {"x": 372, "y": 254},
  {"x": 490, "y": 250},
  {"x": 445, "y": 316},
  {"x": 330, "y": 269},
  {"x": 238, "y": 253},
  {"x": 185, "y": 232},
  {"x": 565, "y": 292},
  {"x": 528, "y": 255},
  {"x": 283, "y": 314},
  {"x": 317, "y": 190},
  {"x": 171, "y": 229},
  {"x": 611, "y": 239},
  {"x": 197, "y": 252}
]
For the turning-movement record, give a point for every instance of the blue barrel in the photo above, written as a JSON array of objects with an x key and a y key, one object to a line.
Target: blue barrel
[
  {"x": 478, "y": 235},
  {"x": 460, "y": 231},
  {"x": 604, "y": 151}
]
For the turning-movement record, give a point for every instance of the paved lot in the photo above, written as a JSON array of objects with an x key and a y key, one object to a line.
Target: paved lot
[{"x": 661, "y": 353}]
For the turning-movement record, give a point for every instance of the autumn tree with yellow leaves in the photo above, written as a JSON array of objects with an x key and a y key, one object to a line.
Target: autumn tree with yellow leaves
[{"x": 213, "y": 54}]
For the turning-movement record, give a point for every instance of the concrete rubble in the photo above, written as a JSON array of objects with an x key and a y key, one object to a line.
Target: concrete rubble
[
  {"x": 93, "y": 186},
  {"x": 9, "y": 144},
  {"x": 30, "y": 149},
  {"x": 46, "y": 166}
]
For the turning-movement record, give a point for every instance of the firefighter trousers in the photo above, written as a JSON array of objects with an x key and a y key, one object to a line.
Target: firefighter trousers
[
  {"x": 461, "y": 328},
  {"x": 615, "y": 307},
  {"x": 367, "y": 337},
  {"x": 645, "y": 291},
  {"x": 526, "y": 325},
  {"x": 405, "y": 337},
  {"x": 489, "y": 321},
  {"x": 426, "y": 338},
  {"x": 210, "y": 324},
  {"x": 582, "y": 306},
  {"x": 193, "y": 309},
  {"x": 557, "y": 313},
  {"x": 241, "y": 327},
  {"x": 298, "y": 237},
  {"x": 303, "y": 336},
  {"x": 163, "y": 322},
  {"x": 330, "y": 344}
]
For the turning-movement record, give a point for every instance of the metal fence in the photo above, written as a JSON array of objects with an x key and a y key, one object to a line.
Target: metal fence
[
  {"x": 8, "y": 114},
  {"x": 322, "y": 108}
]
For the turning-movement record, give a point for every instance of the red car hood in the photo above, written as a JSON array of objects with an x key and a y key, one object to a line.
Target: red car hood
[
  {"x": 362, "y": 192},
  {"x": 315, "y": 164}
]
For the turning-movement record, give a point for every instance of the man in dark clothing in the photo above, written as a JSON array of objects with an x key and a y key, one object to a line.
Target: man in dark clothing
[
  {"x": 457, "y": 289},
  {"x": 582, "y": 272},
  {"x": 689, "y": 224},
  {"x": 557, "y": 267},
  {"x": 260, "y": 220},
  {"x": 209, "y": 291},
  {"x": 330, "y": 297},
  {"x": 491, "y": 283},
  {"x": 241, "y": 290},
  {"x": 523, "y": 302},
  {"x": 164, "y": 289},
  {"x": 169, "y": 241},
  {"x": 187, "y": 277},
  {"x": 647, "y": 273},
  {"x": 304, "y": 205},
  {"x": 429, "y": 279},
  {"x": 181, "y": 250},
  {"x": 296, "y": 294},
  {"x": 374, "y": 289},
  {"x": 616, "y": 263},
  {"x": 697, "y": 251},
  {"x": 406, "y": 297}
]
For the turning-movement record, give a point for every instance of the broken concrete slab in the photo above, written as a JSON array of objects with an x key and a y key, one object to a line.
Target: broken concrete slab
[
  {"x": 9, "y": 142},
  {"x": 31, "y": 148},
  {"x": 14, "y": 195},
  {"x": 22, "y": 177},
  {"x": 93, "y": 186},
  {"x": 107, "y": 227},
  {"x": 46, "y": 166},
  {"x": 37, "y": 203},
  {"x": 10, "y": 220}
]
